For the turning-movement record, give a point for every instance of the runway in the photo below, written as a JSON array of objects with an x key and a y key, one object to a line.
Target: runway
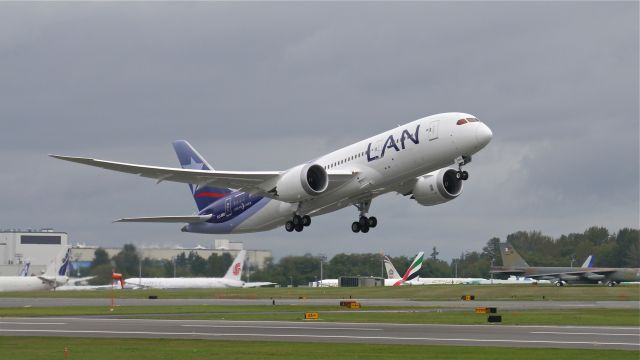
[
  {"x": 583, "y": 337},
  {"x": 504, "y": 305}
]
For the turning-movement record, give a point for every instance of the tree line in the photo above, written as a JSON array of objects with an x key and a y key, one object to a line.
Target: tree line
[{"x": 621, "y": 249}]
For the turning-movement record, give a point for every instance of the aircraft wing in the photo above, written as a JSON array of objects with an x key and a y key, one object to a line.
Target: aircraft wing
[
  {"x": 79, "y": 280},
  {"x": 51, "y": 281},
  {"x": 508, "y": 271},
  {"x": 601, "y": 271},
  {"x": 257, "y": 284},
  {"x": 168, "y": 219},
  {"x": 259, "y": 182}
]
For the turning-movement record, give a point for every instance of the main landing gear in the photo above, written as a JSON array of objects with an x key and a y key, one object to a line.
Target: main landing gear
[
  {"x": 364, "y": 223},
  {"x": 461, "y": 161},
  {"x": 297, "y": 223}
]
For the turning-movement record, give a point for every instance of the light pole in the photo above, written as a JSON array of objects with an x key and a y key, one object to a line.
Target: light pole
[
  {"x": 490, "y": 270},
  {"x": 456, "y": 262},
  {"x": 323, "y": 258}
]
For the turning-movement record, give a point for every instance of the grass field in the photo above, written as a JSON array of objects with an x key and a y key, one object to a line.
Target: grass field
[
  {"x": 412, "y": 315},
  {"x": 432, "y": 292},
  {"x": 158, "y": 349}
]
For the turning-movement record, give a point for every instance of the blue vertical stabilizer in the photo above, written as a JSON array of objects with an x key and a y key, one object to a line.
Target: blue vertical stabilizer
[{"x": 190, "y": 159}]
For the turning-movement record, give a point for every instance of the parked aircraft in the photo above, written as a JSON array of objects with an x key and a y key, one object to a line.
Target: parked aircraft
[
  {"x": 393, "y": 279},
  {"x": 413, "y": 160},
  {"x": 514, "y": 264},
  {"x": 55, "y": 275},
  {"x": 417, "y": 280},
  {"x": 231, "y": 279}
]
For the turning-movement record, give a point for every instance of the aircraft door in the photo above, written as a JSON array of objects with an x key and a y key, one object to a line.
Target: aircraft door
[
  {"x": 433, "y": 130},
  {"x": 227, "y": 207}
]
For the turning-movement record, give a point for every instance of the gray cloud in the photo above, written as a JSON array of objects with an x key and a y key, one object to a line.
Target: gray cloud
[{"x": 260, "y": 86}]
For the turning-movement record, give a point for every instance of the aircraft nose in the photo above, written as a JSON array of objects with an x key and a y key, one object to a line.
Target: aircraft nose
[{"x": 483, "y": 135}]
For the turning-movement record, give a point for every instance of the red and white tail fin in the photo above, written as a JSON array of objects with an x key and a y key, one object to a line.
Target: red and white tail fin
[{"x": 235, "y": 270}]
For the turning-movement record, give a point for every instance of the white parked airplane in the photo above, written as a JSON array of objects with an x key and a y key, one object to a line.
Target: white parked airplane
[
  {"x": 231, "y": 279},
  {"x": 55, "y": 275},
  {"x": 412, "y": 160}
]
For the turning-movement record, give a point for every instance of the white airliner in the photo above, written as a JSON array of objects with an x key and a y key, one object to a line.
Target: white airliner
[
  {"x": 232, "y": 279},
  {"x": 413, "y": 160},
  {"x": 55, "y": 275}
]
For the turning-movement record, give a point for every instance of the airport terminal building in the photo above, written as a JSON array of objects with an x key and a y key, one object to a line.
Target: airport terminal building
[
  {"x": 37, "y": 246},
  {"x": 40, "y": 247},
  {"x": 83, "y": 255}
]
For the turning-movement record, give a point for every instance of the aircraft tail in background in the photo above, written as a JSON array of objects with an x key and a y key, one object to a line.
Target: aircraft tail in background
[
  {"x": 190, "y": 159},
  {"x": 392, "y": 273},
  {"x": 235, "y": 270},
  {"x": 588, "y": 263},
  {"x": 510, "y": 257},
  {"x": 25, "y": 269},
  {"x": 415, "y": 267},
  {"x": 59, "y": 265}
]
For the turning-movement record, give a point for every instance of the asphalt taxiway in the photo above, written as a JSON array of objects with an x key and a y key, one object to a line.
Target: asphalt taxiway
[
  {"x": 584, "y": 337},
  {"x": 505, "y": 305}
]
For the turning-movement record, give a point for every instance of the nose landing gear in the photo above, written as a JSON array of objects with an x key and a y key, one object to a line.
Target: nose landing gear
[
  {"x": 462, "y": 175},
  {"x": 461, "y": 161}
]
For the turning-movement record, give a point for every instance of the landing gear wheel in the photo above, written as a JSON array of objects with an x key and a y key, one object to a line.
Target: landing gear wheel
[
  {"x": 365, "y": 229},
  {"x": 297, "y": 219},
  {"x": 611, "y": 283},
  {"x": 289, "y": 226},
  {"x": 355, "y": 227},
  {"x": 559, "y": 283},
  {"x": 306, "y": 220},
  {"x": 299, "y": 227},
  {"x": 465, "y": 175},
  {"x": 459, "y": 175},
  {"x": 373, "y": 222},
  {"x": 363, "y": 222}
]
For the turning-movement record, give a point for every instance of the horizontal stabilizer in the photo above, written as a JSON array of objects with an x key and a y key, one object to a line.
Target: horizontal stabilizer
[{"x": 168, "y": 219}]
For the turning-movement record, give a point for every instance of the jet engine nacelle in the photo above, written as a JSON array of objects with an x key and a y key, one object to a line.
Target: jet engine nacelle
[
  {"x": 592, "y": 276},
  {"x": 302, "y": 182},
  {"x": 437, "y": 187}
]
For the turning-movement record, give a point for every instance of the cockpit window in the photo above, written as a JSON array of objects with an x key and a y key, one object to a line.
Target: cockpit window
[
  {"x": 472, "y": 120},
  {"x": 461, "y": 121}
]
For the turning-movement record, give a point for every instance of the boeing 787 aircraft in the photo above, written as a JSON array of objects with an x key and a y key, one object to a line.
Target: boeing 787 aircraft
[{"x": 413, "y": 160}]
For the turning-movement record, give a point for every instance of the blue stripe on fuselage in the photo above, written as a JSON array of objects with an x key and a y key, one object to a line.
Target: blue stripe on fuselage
[{"x": 229, "y": 212}]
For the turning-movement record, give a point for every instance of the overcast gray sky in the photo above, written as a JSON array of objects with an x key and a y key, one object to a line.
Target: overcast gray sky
[{"x": 265, "y": 86}]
